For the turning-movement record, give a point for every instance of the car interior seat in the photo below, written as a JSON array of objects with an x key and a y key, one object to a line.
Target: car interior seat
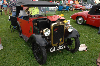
[
  {"x": 60, "y": 8},
  {"x": 23, "y": 13}
]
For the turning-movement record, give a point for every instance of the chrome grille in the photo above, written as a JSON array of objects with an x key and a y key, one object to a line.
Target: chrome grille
[{"x": 58, "y": 33}]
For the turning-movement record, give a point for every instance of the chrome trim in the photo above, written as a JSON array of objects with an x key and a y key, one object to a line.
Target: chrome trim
[{"x": 56, "y": 24}]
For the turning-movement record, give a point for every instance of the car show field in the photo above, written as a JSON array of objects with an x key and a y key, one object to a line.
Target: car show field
[
  {"x": 47, "y": 36},
  {"x": 17, "y": 52}
]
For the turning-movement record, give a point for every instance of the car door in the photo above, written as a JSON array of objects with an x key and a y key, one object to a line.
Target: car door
[
  {"x": 24, "y": 26},
  {"x": 91, "y": 19},
  {"x": 94, "y": 20}
]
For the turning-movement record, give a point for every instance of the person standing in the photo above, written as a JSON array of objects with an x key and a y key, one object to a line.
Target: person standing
[
  {"x": 0, "y": 4},
  {"x": 5, "y": 6},
  {"x": 13, "y": 9},
  {"x": 10, "y": 3},
  {"x": 61, "y": 2},
  {"x": 54, "y": 2},
  {"x": 27, "y": 11}
]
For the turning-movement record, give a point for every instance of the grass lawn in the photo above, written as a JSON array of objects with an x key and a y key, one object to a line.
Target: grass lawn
[{"x": 17, "y": 52}]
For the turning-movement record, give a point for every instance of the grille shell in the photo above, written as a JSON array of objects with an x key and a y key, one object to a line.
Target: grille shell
[{"x": 57, "y": 33}]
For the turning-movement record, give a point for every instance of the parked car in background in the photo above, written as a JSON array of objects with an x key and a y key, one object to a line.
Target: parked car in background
[
  {"x": 91, "y": 17},
  {"x": 77, "y": 6}
]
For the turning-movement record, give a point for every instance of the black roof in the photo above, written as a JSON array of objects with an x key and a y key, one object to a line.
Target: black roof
[
  {"x": 35, "y": 3},
  {"x": 92, "y": 11}
]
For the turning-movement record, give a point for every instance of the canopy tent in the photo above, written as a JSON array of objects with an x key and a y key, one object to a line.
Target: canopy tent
[{"x": 35, "y": 3}]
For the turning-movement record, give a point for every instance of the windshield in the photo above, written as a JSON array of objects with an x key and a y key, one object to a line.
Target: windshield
[{"x": 42, "y": 10}]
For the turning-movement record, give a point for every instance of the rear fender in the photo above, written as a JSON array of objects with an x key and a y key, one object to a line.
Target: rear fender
[
  {"x": 73, "y": 34},
  {"x": 37, "y": 39}
]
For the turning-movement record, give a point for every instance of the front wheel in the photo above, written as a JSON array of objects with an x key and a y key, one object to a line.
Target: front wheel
[
  {"x": 80, "y": 20},
  {"x": 72, "y": 44},
  {"x": 39, "y": 53}
]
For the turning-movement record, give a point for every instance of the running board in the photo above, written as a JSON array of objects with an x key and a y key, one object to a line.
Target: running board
[{"x": 25, "y": 37}]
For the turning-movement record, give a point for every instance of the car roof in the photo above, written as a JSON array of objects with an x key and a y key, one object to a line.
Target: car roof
[
  {"x": 92, "y": 11},
  {"x": 35, "y": 3}
]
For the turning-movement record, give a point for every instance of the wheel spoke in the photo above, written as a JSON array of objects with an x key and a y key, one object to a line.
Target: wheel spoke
[
  {"x": 80, "y": 20},
  {"x": 71, "y": 44}
]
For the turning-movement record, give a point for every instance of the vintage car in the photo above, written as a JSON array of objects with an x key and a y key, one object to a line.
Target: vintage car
[
  {"x": 45, "y": 32},
  {"x": 91, "y": 17}
]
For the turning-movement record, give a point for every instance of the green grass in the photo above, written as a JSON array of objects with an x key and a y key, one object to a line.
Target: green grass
[{"x": 17, "y": 52}]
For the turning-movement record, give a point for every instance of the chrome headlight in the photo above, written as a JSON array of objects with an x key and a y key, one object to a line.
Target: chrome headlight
[
  {"x": 46, "y": 32},
  {"x": 70, "y": 28},
  {"x": 67, "y": 23}
]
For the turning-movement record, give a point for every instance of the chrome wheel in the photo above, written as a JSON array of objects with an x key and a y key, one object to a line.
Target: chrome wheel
[{"x": 80, "y": 20}]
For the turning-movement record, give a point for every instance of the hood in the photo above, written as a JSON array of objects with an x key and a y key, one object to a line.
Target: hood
[
  {"x": 54, "y": 17},
  {"x": 84, "y": 12}
]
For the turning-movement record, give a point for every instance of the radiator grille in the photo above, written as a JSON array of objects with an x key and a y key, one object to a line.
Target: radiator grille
[{"x": 58, "y": 34}]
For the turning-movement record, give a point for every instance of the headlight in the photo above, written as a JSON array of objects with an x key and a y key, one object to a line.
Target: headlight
[
  {"x": 67, "y": 22},
  {"x": 46, "y": 32},
  {"x": 70, "y": 28}
]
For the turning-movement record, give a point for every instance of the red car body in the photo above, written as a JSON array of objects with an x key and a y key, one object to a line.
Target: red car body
[
  {"x": 90, "y": 19},
  {"x": 26, "y": 29}
]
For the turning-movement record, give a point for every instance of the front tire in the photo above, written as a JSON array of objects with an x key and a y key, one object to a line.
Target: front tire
[
  {"x": 39, "y": 53},
  {"x": 70, "y": 43},
  {"x": 80, "y": 20}
]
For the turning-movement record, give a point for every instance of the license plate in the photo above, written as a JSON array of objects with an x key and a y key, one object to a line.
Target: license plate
[{"x": 52, "y": 49}]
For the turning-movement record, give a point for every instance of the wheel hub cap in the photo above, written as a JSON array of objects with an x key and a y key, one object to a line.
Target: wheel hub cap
[{"x": 80, "y": 20}]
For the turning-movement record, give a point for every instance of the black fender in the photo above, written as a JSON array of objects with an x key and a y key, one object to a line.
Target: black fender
[
  {"x": 74, "y": 33},
  {"x": 37, "y": 39}
]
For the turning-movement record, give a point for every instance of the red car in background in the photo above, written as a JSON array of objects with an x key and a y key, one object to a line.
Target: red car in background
[
  {"x": 91, "y": 17},
  {"x": 77, "y": 6}
]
